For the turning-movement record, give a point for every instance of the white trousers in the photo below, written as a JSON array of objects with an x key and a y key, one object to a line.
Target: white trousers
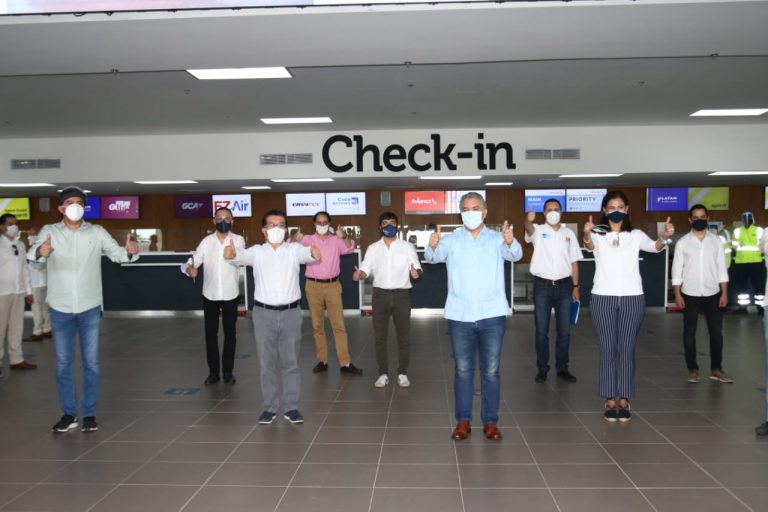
[
  {"x": 41, "y": 315},
  {"x": 11, "y": 326}
]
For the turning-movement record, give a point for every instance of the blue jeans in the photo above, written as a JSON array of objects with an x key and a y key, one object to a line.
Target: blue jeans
[
  {"x": 545, "y": 297},
  {"x": 471, "y": 341},
  {"x": 66, "y": 327},
  {"x": 765, "y": 336}
]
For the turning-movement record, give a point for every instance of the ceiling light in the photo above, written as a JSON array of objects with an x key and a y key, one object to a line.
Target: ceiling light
[
  {"x": 239, "y": 73},
  {"x": 450, "y": 177},
  {"x": 296, "y": 120},
  {"x": 257, "y": 187},
  {"x": 605, "y": 175},
  {"x": 737, "y": 173},
  {"x": 22, "y": 185},
  {"x": 730, "y": 112},
  {"x": 165, "y": 182},
  {"x": 498, "y": 184},
  {"x": 300, "y": 180}
]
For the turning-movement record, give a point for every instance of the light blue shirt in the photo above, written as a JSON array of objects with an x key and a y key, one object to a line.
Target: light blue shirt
[{"x": 475, "y": 273}]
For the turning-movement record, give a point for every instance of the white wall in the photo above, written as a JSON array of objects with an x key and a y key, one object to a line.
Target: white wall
[{"x": 236, "y": 156}]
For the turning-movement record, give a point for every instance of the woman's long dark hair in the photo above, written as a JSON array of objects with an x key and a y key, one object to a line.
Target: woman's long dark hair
[{"x": 626, "y": 224}]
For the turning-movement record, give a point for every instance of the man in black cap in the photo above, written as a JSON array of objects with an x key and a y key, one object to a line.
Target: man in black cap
[{"x": 73, "y": 250}]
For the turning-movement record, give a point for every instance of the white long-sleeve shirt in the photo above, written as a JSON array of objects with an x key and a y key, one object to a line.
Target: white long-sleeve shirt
[
  {"x": 220, "y": 278},
  {"x": 14, "y": 274},
  {"x": 699, "y": 265},
  {"x": 275, "y": 271},
  {"x": 390, "y": 266}
]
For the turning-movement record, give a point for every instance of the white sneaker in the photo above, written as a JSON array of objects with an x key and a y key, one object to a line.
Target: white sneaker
[
  {"x": 382, "y": 381},
  {"x": 402, "y": 380}
]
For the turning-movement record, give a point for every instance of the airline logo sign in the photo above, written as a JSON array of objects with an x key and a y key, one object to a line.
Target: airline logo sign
[
  {"x": 192, "y": 206},
  {"x": 304, "y": 204},
  {"x": 240, "y": 204},
  {"x": 425, "y": 202},
  {"x": 345, "y": 203},
  {"x": 18, "y": 206},
  {"x": 120, "y": 207},
  {"x": 667, "y": 199}
]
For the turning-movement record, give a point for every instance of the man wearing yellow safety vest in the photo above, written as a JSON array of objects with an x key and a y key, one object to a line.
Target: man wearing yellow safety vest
[{"x": 748, "y": 263}]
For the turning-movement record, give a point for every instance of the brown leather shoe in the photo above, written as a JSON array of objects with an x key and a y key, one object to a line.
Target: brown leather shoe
[
  {"x": 34, "y": 337},
  {"x": 23, "y": 366},
  {"x": 48, "y": 334},
  {"x": 491, "y": 431},
  {"x": 461, "y": 431}
]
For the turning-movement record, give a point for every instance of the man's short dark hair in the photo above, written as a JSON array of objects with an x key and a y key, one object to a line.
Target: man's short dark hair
[
  {"x": 698, "y": 207},
  {"x": 388, "y": 216},
  {"x": 553, "y": 200},
  {"x": 224, "y": 208},
  {"x": 273, "y": 212},
  {"x": 5, "y": 217},
  {"x": 314, "y": 218}
]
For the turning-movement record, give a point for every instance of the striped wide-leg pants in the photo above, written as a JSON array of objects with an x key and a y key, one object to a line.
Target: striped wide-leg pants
[{"x": 617, "y": 321}]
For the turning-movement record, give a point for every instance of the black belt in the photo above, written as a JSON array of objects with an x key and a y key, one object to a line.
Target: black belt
[
  {"x": 553, "y": 282},
  {"x": 292, "y": 305},
  {"x": 324, "y": 280}
]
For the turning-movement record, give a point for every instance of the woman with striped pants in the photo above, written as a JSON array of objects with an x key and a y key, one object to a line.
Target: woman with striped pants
[{"x": 617, "y": 306}]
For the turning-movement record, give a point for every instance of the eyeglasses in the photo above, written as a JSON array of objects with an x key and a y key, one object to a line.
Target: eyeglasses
[{"x": 15, "y": 250}]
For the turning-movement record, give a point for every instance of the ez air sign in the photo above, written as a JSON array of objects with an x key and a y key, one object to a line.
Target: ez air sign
[{"x": 342, "y": 154}]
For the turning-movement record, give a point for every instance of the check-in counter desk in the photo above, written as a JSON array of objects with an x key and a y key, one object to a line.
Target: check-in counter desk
[{"x": 156, "y": 283}]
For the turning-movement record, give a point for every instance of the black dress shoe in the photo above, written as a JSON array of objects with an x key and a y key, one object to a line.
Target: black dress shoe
[
  {"x": 229, "y": 378},
  {"x": 350, "y": 368},
  {"x": 213, "y": 378},
  {"x": 541, "y": 376},
  {"x": 320, "y": 367},
  {"x": 567, "y": 376}
]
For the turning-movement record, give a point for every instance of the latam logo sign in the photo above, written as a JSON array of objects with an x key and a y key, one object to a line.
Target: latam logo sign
[
  {"x": 425, "y": 202},
  {"x": 192, "y": 206},
  {"x": 343, "y": 154},
  {"x": 240, "y": 204},
  {"x": 120, "y": 207},
  {"x": 667, "y": 199}
]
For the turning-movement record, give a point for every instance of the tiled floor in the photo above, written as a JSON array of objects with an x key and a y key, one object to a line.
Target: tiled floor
[{"x": 687, "y": 448}]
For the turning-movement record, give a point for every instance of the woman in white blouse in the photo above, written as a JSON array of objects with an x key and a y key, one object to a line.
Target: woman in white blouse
[{"x": 617, "y": 306}]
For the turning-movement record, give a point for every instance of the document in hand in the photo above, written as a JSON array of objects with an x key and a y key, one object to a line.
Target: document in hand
[{"x": 575, "y": 307}]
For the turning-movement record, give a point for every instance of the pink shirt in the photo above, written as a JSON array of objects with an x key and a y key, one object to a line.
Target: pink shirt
[{"x": 331, "y": 248}]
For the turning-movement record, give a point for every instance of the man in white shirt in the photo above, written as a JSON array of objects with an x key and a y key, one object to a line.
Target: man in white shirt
[
  {"x": 555, "y": 270},
  {"x": 73, "y": 250},
  {"x": 41, "y": 316},
  {"x": 700, "y": 281},
  {"x": 276, "y": 313},
  {"x": 220, "y": 293},
  {"x": 393, "y": 263},
  {"x": 762, "y": 429},
  {"x": 15, "y": 288}
]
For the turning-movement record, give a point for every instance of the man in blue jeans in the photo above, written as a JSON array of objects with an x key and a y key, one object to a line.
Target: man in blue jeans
[
  {"x": 73, "y": 250},
  {"x": 476, "y": 308},
  {"x": 555, "y": 269},
  {"x": 762, "y": 429}
]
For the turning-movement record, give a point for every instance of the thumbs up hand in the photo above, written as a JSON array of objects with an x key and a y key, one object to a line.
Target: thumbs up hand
[
  {"x": 415, "y": 272},
  {"x": 669, "y": 229},
  {"x": 298, "y": 235},
  {"x": 316, "y": 255},
  {"x": 340, "y": 232},
  {"x": 131, "y": 247},
  {"x": 229, "y": 250},
  {"x": 508, "y": 233},
  {"x": 45, "y": 249},
  {"x": 531, "y": 216},
  {"x": 434, "y": 238},
  {"x": 358, "y": 275},
  {"x": 588, "y": 226}
]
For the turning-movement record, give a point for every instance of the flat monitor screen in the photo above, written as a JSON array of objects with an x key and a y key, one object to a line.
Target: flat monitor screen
[
  {"x": 18, "y": 206},
  {"x": 666, "y": 199},
  {"x": 239, "y": 204},
  {"x": 714, "y": 198},
  {"x": 535, "y": 198},
  {"x": 345, "y": 203},
  {"x": 119, "y": 207},
  {"x": 92, "y": 208},
  {"x": 303, "y": 205},
  {"x": 424, "y": 202},
  {"x": 584, "y": 199}
]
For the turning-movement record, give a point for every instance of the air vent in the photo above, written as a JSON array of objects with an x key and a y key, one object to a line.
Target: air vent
[
  {"x": 20, "y": 164},
  {"x": 566, "y": 154},
  {"x": 285, "y": 158},
  {"x": 538, "y": 154}
]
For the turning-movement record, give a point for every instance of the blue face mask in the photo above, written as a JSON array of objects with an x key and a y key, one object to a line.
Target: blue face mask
[
  {"x": 616, "y": 216},
  {"x": 389, "y": 231},
  {"x": 472, "y": 219}
]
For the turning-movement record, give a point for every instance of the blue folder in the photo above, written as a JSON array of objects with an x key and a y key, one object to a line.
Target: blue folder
[{"x": 575, "y": 307}]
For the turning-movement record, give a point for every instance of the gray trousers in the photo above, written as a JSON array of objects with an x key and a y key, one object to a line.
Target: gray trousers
[{"x": 278, "y": 337}]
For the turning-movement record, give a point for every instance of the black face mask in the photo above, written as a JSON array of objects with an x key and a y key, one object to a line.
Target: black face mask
[
  {"x": 700, "y": 224},
  {"x": 223, "y": 226},
  {"x": 616, "y": 216}
]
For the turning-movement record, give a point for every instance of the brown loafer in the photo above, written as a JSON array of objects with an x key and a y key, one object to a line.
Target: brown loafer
[
  {"x": 461, "y": 431},
  {"x": 34, "y": 337},
  {"x": 491, "y": 431},
  {"x": 23, "y": 366},
  {"x": 48, "y": 334}
]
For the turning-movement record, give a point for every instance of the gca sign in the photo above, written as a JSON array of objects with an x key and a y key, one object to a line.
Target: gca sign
[{"x": 342, "y": 154}]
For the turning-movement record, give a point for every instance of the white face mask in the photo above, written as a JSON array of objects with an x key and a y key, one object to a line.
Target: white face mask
[
  {"x": 321, "y": 230},
  {"x": 32, "y": 239},
  {"x": 553, "y": 218},
  {"x": 472, "y": 219},
  {"x": 275, "y": 235},
  {"x": 74, "y": 212},
  {"x": 12, "y": 231}
]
